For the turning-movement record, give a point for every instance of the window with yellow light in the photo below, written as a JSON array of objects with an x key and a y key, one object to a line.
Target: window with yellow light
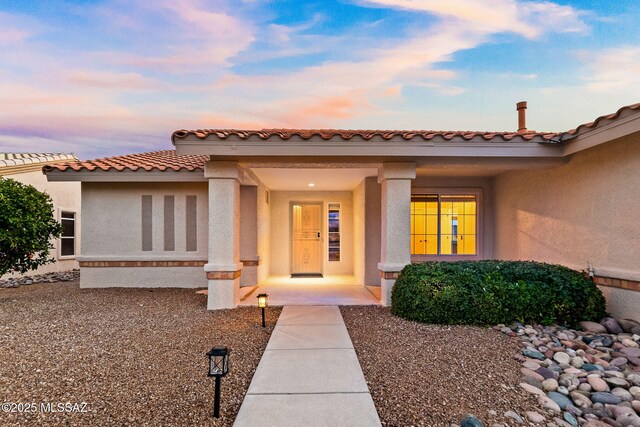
[{"x": 443, "y": 224}]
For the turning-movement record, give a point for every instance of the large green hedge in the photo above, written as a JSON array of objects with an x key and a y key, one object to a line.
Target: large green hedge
[{"x": 492, "y": 292}]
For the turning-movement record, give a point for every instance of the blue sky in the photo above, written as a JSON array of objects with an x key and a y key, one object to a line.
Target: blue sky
[{"x": 112, "y": 77}]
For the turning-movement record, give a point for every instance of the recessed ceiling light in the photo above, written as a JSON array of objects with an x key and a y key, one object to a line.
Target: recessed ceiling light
[{"x": 311, "y": 184}]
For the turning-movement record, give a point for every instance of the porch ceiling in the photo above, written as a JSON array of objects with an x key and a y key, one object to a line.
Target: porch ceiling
[{"x": 298, "y": 179}]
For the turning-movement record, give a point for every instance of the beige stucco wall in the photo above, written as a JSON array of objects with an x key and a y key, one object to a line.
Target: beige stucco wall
[
  {"x": 584, "y": 211},
  {"x": 249, "y": 233},
  {"x": 248, "y": 222},
  {"x": 359, "y": 232},
  {"x": 65, "y": 197},
  {"x": 112, "y": 231},
  {"x": 372, "y": 236},
  {"x": 280, "y": 248},
  {"x": 264, "y": 232},
  {"x": 143, "y": 277},
  {"x": 622, "y": 302}
]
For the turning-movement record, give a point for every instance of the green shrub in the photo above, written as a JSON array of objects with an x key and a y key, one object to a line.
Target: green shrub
[
  {"x": 27, "y": 226},
  {"x": 492, "y": 292}
]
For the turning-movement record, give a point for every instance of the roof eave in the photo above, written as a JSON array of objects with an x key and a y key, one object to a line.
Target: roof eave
[
  {"x": 358, "y": 148},
  {"x": 623, "y": 123},
  {"x": 140, "y": 175}
]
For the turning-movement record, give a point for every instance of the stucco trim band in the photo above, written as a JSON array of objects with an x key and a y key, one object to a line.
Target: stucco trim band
[
  {"x": 223, "y": 275},
  {"x": 631, "y": 285},
  {"x": 86, "y": 264},
  {"x": 389, "y": 275}
]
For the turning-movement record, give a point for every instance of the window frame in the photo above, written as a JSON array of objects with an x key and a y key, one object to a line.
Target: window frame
[
  {"x": 470, "y": 191},
  {"x": 75, "y": 234},
  {"x": 339, "y": 232}
]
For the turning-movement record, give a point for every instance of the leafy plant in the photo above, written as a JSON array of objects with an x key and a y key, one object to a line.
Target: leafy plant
[
  {"x": 491, "y": 292},
  {"x": 27, "y": 225}
]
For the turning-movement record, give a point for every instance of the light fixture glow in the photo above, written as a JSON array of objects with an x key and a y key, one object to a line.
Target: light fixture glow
[
  {"x": 311, "y": 184},
  {"x": 262, "y": 303}
]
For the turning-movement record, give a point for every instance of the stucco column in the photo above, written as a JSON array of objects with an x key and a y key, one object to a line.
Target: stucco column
[
  {"x": 223, "y": 268},
  {"x": 395, "y": 252}
]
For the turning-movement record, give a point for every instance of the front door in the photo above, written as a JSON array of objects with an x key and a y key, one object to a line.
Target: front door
[{"x": 306, "y": 256}]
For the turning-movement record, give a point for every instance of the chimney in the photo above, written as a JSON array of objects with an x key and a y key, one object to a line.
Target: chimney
[{"x": 522, "y": 116}]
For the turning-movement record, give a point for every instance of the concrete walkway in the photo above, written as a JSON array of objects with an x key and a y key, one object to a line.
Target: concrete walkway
[{"x": 309, "y": 375}]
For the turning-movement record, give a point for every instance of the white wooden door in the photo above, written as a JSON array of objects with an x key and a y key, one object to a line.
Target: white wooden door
[{"x": 306, "y": 257}]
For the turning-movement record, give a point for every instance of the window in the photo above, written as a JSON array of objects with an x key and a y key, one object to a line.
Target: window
[
  {"x": 334, "y": 231},
  {"x": 68, "y": 236},
  {"x": 444, "y": 224}
]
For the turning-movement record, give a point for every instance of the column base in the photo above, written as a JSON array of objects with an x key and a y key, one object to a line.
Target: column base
[
  {"x": 386, "y": 285},
  {"x": 223, "y": 293},
  {"x": 388, "y": 275}
]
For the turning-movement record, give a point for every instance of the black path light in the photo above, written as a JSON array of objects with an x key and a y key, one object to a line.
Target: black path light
[
  {"x": 218, "y": 368},
  {"x": 263, "y": 303}
]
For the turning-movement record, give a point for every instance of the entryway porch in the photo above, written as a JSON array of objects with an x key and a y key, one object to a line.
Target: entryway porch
[{"x": 328, "y": 290}]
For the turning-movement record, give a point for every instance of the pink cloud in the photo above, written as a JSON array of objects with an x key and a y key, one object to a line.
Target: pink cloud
[
  {"x": 15, "y": 29},
  {"x": 10, "y": 36},
  {"x": 612, "y": 69},
  {"x": 334, "y": 91},
  {"x": 176, "y": 36},
  {"x": 111, "y": 80},
  {"x": 393, "y": 91},
  {"x": 529, "y": 19},
  {"x": 220, "y": 121}
]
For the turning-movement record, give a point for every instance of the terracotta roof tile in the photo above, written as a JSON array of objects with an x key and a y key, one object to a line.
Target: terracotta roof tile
[
  {"x": 19, "y": 159},
  {"x": 347, "y": 134},
  {"x": 156, "y": 160},
  {"x": 169, "y": 160},
  {"x": 597, "y": 122},
  {"x": 366, "y": 134}
]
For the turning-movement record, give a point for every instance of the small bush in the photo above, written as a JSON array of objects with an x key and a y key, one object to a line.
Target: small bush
[{"x": 492, "y": 292}]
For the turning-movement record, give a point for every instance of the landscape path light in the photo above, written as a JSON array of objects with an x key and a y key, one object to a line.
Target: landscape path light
[
  {"x": 218, "y": 368},
  {"x": 263, "y": 303}
]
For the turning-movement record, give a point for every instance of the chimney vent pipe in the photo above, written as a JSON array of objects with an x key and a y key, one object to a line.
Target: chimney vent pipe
[{"x": 522, "y": 116}]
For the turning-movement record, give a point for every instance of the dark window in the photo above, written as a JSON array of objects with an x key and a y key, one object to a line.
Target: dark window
[{"x": 68, "y": 237}]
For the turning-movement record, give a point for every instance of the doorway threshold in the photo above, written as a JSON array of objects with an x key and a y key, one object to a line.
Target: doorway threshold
[{"x": 307, "y": 275}]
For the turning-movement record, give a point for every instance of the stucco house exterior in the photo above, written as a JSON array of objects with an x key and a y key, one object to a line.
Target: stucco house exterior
[
  {"x": 27, "y": 169},
  {"x": 230, "y": 208}
]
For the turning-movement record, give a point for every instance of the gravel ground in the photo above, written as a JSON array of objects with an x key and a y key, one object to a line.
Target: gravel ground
[
  {"x": 135, "y": 356},
  {"x": 429, "y": 375}
]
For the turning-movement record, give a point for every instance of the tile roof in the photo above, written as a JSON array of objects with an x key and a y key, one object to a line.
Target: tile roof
[
  {"x": 20, "y": 159},
  {"x": 347, "y": 134},
  {"x": 603, "y": 119},
  {"x": 169, "y": 160},
  {"x": 156, "y": 160}
]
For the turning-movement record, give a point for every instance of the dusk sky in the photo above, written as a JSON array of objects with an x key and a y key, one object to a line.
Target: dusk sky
[{"x": 112, "y": 77}]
